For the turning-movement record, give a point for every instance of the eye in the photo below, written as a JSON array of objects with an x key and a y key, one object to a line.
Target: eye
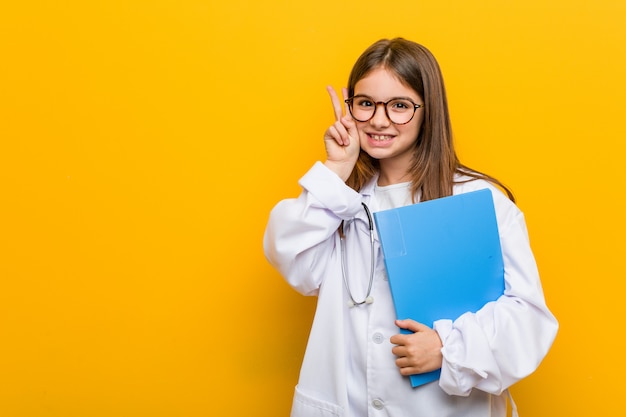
[
  {"x": 400, "y": 105},
  {"x": 363, "y": 102}
]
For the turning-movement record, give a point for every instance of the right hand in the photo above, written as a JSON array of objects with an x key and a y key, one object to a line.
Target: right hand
[{"x": 341, "y": 139}]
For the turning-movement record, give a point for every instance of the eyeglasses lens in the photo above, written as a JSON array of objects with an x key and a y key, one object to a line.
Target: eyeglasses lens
[{"x": 399, "y": 111}]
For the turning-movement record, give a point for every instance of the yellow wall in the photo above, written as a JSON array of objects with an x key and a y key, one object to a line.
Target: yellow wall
[{"x": 143, "y": 143}]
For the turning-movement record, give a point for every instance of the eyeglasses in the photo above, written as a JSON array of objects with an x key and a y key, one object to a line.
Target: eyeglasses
[{"x": 399, "y": 110}]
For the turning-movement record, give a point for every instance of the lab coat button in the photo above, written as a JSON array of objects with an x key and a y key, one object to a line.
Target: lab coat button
[
  {"x": 378, "y": 404},
  {"x": 378, "y": 338}
]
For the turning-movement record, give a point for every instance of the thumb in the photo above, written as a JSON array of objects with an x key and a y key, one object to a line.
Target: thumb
[{"x": 411, "y": 325}]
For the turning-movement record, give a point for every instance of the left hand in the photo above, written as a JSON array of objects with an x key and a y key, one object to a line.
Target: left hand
[{"x": 418, "y": 352}]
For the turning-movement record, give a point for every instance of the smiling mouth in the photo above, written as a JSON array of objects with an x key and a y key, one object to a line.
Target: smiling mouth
[{"x": 381, "y": 137}]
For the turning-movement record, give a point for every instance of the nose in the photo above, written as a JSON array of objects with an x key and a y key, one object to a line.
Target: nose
[{"x": 380, "y": 119}]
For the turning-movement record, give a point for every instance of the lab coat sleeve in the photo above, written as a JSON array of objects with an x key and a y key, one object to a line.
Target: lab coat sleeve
[
  {"x": 300, "y": 234},
  {"x": 506, "y": 340}
]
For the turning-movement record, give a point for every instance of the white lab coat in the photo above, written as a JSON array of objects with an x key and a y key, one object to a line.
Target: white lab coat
[{"x": 348, "y": 368}]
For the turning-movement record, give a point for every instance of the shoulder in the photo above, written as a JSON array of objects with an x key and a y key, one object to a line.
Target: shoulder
[{"x": 506, "y": 210}]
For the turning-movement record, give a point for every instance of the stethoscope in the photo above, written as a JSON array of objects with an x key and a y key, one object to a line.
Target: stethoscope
[{"x": 368, "y": 298}]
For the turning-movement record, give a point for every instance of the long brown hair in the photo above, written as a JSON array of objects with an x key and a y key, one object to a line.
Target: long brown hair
[{"x": 435, "y": 162}]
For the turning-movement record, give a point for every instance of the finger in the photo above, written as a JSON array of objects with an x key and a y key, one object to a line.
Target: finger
[
  {"x": 399, "y": 351},
  {"x": 348, "y": 121},
  {"x": 398, "y": 339},
  {"x": 344, "y": 93},
  {"x": 344, "y": 132},
  {"x": 411, "y": 325},
  {"x": 348, "y": 116},
  {"x": 334, "y": 98},
  {"x": 402, "y": 363},
  {"x": 407, "y": 367},
  {"x": 409, "y": 370},
  {"x": 337, "y": 133}
]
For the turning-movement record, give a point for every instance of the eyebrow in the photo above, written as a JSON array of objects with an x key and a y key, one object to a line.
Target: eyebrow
[{"x": 391, "y": 98}]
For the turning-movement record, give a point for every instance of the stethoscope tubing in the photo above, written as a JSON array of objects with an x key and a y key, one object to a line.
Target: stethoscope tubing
[{"x": 368, "y": 298}]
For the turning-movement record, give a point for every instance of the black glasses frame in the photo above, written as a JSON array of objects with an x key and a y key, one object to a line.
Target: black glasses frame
[{"x": 349, "y": 101}]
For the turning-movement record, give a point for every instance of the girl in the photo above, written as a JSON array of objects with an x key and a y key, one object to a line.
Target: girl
[{"x": 394, "y": 147}]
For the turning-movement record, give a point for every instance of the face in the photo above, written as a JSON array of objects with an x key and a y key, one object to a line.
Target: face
[{"x": 390, "y": 143}]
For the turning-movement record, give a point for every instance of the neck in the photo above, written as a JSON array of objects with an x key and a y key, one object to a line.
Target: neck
[
  {"x": 393, "y": 175},
  {"x": 395, "y": 170}
]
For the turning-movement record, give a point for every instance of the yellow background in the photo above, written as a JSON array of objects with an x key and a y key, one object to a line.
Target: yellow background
[{"x": 143, "y": 143}]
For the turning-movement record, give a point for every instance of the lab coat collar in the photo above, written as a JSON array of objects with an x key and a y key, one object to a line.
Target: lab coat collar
[
  {"x": 367, "y": 191},
  {"x": 368, "y": 188}
]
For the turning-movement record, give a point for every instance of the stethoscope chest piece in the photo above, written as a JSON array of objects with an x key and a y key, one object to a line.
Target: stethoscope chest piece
[{"x": 368, "y": 300}]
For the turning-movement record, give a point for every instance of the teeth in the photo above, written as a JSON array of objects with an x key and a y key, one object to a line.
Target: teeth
[{"x": 381, "y": 137}]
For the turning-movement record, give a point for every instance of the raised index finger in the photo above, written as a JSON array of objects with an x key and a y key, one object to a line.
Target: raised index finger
[{"x": 334, "y": 98}]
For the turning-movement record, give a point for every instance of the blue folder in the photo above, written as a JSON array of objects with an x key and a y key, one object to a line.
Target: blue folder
[{"x": 443, "y": 259}]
